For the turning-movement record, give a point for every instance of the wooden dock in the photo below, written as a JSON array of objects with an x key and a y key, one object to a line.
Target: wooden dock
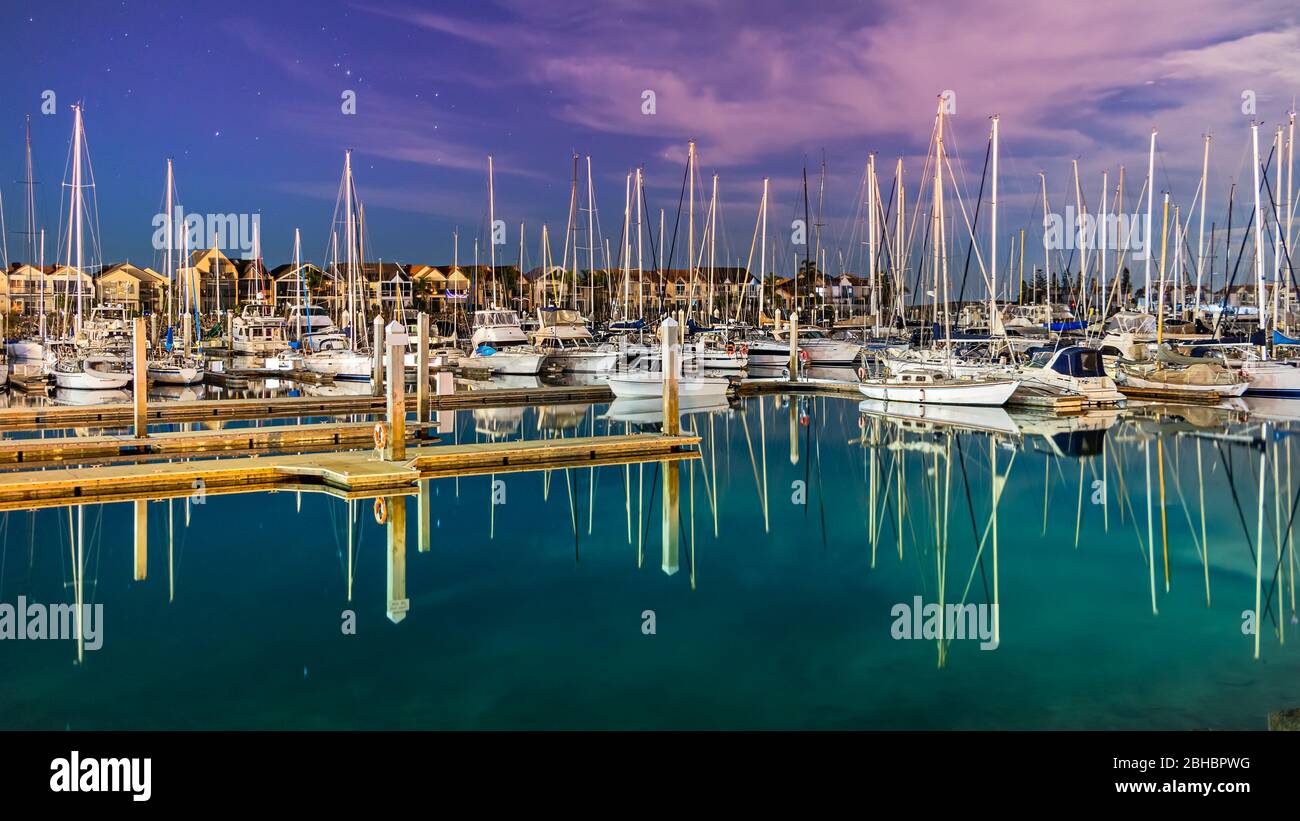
[
  {"x": 207, "y": 410},
  {"x": 245, "y": 440},
  {"x": 351, "y": 474}
]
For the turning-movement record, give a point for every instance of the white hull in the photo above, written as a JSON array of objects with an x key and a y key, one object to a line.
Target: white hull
[
  {"x": 583, "y": 361},
  {"x": 258, "y": 347},
  {"x": 968, "y": 417},
  {"x": 953, "y": 392},
  {"x": 1270, "y": 378},
  {"x": 1095, "y": 390},
  {"x": 1131, "y": 380},
  {"x": 649, "y": 410},
  {"x": 639, "y": 384},
  {"x": 822, "y": 352},
  {"x": 25, "y": 349},
  {"x": 91, "y": 380},
  {"x": 175, "y": 374},
  {"x": 341, "y": 366},
  {"x": 523, "y": 363}
]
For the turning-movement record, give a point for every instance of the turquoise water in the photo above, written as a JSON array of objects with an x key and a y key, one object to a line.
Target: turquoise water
[{"x": 529, "y": 613}]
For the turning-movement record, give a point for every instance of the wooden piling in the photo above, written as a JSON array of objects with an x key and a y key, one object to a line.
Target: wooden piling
[
  {"x": 669, "y": 332},
  {"x": 671, "y": 510},
  {"x": 377, "y": 361},
  {"x": 140, "y": 389},
  {"x": 395, "y": 342},
  {"x": 794, "y": 346},
  {"x": 141, "y": 539},
  {"x": 422, "y": 369},
  {"x": 398, "y": 604}
]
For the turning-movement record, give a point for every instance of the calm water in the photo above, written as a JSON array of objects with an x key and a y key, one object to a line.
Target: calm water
[{"x": 774, "y": 612}]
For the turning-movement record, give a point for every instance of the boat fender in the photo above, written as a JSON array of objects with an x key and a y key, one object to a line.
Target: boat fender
[
  {"x": 803, "y": 356},
  {"x": 922, "y": 394},
  {"x": 381, "y": 435},
  {"x": 381, "y": 511}
]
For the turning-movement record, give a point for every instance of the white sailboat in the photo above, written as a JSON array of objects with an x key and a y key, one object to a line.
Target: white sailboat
[{"x": 337, "y": 352}]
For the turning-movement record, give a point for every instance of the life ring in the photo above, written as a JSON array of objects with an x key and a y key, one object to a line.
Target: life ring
[
  {"x": 862, "y": 374},
  {"x": 744, "y": 350},
  {"x": 803, "y": 356},
  {"x": 381, "y": 510},
  {"x": 862, "y": 422},
  {"x": 381, "y": 435},
  {"x": 731, "y": 349}
]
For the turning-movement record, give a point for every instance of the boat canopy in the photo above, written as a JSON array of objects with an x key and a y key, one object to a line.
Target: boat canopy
[
  {"x": 1130, "y": 322},
  {"x": 1072, "y": 361}
]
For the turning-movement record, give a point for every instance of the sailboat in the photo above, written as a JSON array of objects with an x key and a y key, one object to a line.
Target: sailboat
[
  {"x": 331, "y": 351},
  {"x": 71, "y": 364},
  {"x": 921, "y": 382},
  {"x": 32, "y": 348},
  {"x": 171, "y": 366}
]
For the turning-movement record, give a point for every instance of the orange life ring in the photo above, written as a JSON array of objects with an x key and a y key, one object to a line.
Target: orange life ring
[
  {"x": 381, "y": 435},
  {"x": 744, "y": 350},
  {"x": 862, "y": 423},
  {"x": 862, "y": 374},
  {"x": 731, "y": 349},
  {"x": 381, "y": 511}
]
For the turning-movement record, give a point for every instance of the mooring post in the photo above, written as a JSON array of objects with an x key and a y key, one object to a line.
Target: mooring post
[
  {"x": 671, "y": 510},
  {"x": 398, "y": 604},
  {"x": 671, "y": 352},
  {"x": 424, "y": 511},
  {"x": 140, "y": 390},
  {"x": 422, "y": 369},
  {"x": 793, "y": 328},
  {"x": 141, "y": 539},
  {"x": 377, "y": 363},
  {"x": 395, "y": 341}
]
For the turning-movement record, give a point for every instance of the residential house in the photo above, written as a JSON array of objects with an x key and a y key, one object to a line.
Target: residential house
[{"x": 139, "y": 290}]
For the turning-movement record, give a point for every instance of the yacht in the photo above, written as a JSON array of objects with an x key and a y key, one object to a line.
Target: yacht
[
  {"x": 816, "y": 347},
  {"x": 331, "y": 352},
  {"x": 87, "y": 370},
  {"x": 566, "y": 341},
  {"x": 499, "y": 344},
  {"x": 1072, "y": 369},
  {"x": 257, "y": 330}
]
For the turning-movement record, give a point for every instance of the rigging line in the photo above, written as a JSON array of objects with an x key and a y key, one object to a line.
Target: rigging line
[
  {"x": 1241, "y": 250},
  {"x": 970, "y": 246}
]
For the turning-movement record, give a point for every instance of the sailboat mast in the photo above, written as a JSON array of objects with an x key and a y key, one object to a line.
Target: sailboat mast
[
  {"x": 1200, "y": 234},
  {"x": 349, "y": 239},
  {"x": 690, "y": 224},
  {"x": 591, "y": 244},
  {"x": 1151, "y": 178},
  {"x": 1047, "y": 254},
  {"x": 762, "y": 253},
  {"x": 993, "y": 237},
  {"x": 1259, "y": 234},
  {"x": 492, "y": 240},
  {"x": 75, "y": 210},
  {"x": 874, "y": 309}
]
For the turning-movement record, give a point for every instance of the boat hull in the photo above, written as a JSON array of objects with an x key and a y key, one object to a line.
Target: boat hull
[
  {"x": 524, "y": 363},
  {"x": 992, "y": 393},
  {"x": 641, "y": 385}
]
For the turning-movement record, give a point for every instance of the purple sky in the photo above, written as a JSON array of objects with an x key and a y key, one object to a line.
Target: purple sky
[{"x": 246, "y": 98}]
